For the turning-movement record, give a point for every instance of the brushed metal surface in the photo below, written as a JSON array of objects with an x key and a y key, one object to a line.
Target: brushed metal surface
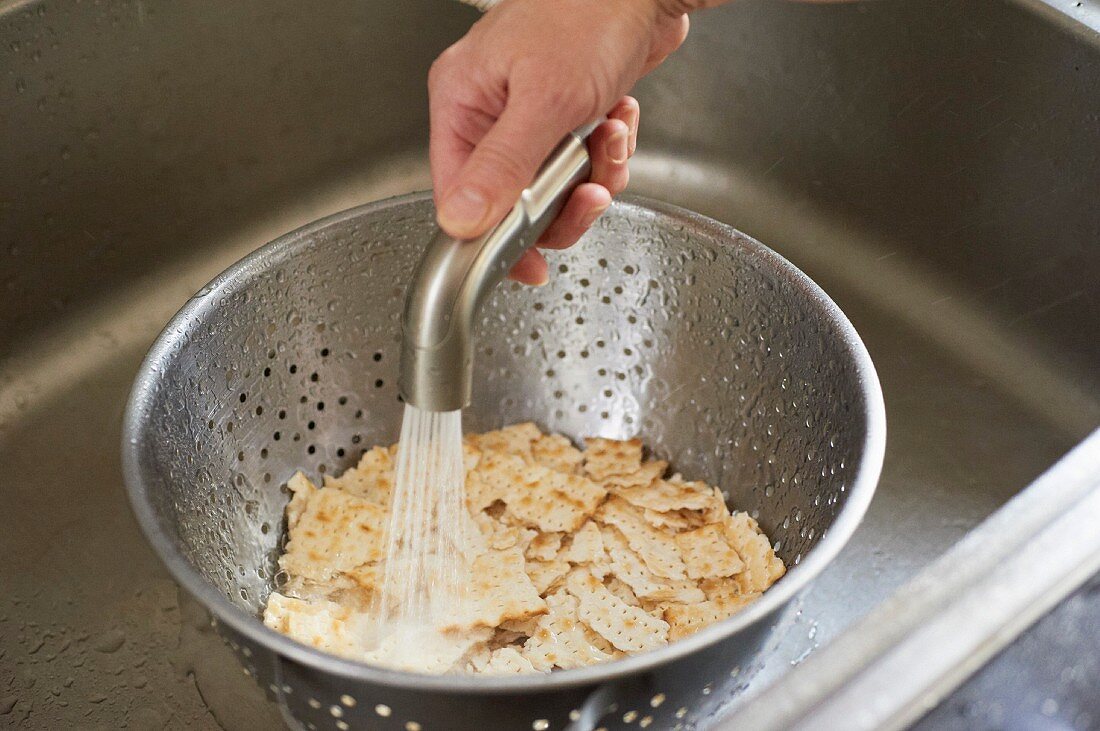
[
  {"x": 931, "y": 163},
  {"x": 913, "y": 650},
  {"x": 736, "y": 368}
]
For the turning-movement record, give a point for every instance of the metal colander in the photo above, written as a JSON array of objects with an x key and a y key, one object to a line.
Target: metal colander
[{"x": 720, "y": 355}]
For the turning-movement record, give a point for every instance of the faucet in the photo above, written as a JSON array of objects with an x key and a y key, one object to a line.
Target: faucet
[{"x": 454, "y": 276}]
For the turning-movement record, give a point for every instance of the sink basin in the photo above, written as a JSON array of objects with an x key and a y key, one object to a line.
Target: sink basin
[{"x": 932, "y": 164}]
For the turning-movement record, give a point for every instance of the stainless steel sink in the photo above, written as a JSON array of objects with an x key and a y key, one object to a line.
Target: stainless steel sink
[{"x": 933, "y": 164}]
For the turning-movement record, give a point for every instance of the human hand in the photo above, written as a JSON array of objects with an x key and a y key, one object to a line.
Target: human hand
[{"x": 525, "y": 74}]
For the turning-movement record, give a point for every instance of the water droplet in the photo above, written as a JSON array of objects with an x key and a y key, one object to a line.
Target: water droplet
[{"x": 110, "y": 641}]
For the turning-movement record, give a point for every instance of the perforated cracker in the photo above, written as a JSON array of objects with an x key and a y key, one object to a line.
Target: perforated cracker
[
  {"x": 680, "y": 591},
  {"x": 425, "y": 650},
  {"x": 621, "y": 589},
  {"x": 499, "y": 590},
  {"x": 471, "y": 457},
  {"x": 515, "y": 439},
  {"x": 557, "y": 453},
  {"x": 586, "y": 545},
  {"x": 371, "y": 479},
  {"x": 321, "y": 624},
  {"x": 559, "y": 639},
  {"x": 545, "y": 546},
  {"x": 762, "y": 567},
  {"x": 656, "y": 548},
  {"x": 477, "y": 657},
  {"x": 546, "y": 519},
  {"x": 640, "y": 478},
  {"x": 301, "y": 490},
  {"x": 675, "y": 520},
  {"x": 663, "y": 495},
  {"x": 508, "y": 661},
  {"x": 335, "y": 533},
  {"x": 722, "y": 590},
  {"x": 522, "y": 626},
  {"x": 707, "y": 553},
  {"x": 309, "y": 590},
  {"x": 544, "y": 574},
  {"x": 498, "y": 536},
  {"x": 630, "y": 629},
  {"x": 368, "y": 578},
  {"x": 495, "y": 476},
  {"x": 686, "y": 619},
  {"x": 595, "y": 639},
  {"x": 606, "y": 457},
  {"x": 554, "y": 501},
  {"x": 627, "y": 566}
]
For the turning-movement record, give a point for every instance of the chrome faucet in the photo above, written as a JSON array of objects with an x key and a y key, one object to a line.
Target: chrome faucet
[{"x": 454, "y": 276}]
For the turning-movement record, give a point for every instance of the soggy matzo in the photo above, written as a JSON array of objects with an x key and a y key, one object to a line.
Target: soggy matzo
[{"x": 576, "y": 557}]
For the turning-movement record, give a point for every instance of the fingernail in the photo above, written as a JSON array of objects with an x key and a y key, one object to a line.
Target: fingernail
[
  {"x": 617, "y": 148},
  {"x": 634, "y": 120},
  {"x": 463, "y": 211},
  {"x": 593, "y": 214},
  {"x": 544, "y": 280}
]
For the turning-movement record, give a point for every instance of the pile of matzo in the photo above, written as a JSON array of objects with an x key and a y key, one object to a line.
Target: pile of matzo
[{"x": 580, "y": 557}]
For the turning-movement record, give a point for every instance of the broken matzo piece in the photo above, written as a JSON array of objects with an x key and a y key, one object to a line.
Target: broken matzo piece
[
  {"x": 522, "y": 626},
  {"x": 663, "y": 496},
  {"x": 471, "y": 457},
  {"x": 606, "y": 457},
  {"x": 334, "y": 534},
  {"x": 586, "y": 545},
  {"x": 630, "y": 629},
  {"x": 722, "y": 590},
  {"x": 499, "y": 590},
  {"x": 506, "y": 638},
  {"x": 544, "y": 546},
  {"x": 508, "y": 661},
  {"x": 371, "y": 479},
  {"x": 675, "y": 520},
  {"x": 499, "y": 536},
  {"x": 762, "y": 567},
  {"x": 321, "y": 624},
  {"x": 477, "y": 657},
  {"x": 426, "y": 650},
  {"x": 656, "y": 548},
  {"x": 641, "y": 478},
  {"x": 686, "y": 619},
  {"x": 559, "y": 639},
  {"x": 557, "y": 453},
  {"x": 621, "y": 589},
  {"x": 554, "y": 501},
  {"x": 544, "y": 574},
  {"x": 301, "y": 490},
  {"x": 627, "y": 566},
  {"x": 495, "y": 476},
  {"x": 515, "y": 440},
  {"x": 707, "y": 554}
]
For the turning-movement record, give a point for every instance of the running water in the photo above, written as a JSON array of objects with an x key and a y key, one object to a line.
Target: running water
[{"x": 426, "y": 564}]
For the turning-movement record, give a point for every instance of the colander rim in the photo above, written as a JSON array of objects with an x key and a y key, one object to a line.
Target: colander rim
[{"x": 861, "y": 488}]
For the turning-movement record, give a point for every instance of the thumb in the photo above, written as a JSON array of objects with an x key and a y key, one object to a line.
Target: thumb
[{"x": 501, "y": 165}]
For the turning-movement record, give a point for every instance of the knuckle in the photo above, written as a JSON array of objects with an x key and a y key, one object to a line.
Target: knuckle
[
  {"x": 502, "y": 163},
  {"x": 442, "y": 66}
]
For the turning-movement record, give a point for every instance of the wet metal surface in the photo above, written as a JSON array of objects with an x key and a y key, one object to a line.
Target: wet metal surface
[
  {"x": 915, "y": 158},
  {"x": 1046, "y": 681}
]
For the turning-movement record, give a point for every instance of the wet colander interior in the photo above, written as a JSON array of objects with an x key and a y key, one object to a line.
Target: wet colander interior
[{"x": 720, "y": 355}]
